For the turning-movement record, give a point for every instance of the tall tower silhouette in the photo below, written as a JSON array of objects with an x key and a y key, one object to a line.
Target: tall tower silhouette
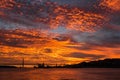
[{"x": 23, "y": 62}]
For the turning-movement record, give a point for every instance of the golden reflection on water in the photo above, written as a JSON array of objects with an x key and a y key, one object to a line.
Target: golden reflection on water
[
  {"x": 53, "y": 74},
  {"x": 60, "y": 74}
]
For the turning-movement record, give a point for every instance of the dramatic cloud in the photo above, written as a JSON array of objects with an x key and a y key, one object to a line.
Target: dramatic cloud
[
  {"x": 52, "y": 14},
  {"x": 59, "y": 31},
  {"x": 84, "y": 55},
  {"x": 111, "y": 4}
]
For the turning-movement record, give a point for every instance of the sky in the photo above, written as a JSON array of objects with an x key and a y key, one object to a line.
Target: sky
[{"x": 59, "y": 31}]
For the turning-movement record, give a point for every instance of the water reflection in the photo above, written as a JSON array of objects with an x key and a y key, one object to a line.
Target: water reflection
[{"x": 60, "y": 74}]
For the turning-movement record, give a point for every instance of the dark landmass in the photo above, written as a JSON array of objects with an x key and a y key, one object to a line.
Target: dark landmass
[
  {"x": 8, "y": 66},
  {"x": 106, "y": 63}
]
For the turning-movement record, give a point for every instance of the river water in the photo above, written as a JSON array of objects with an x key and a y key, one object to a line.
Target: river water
[{"x": 61, "y": 74}]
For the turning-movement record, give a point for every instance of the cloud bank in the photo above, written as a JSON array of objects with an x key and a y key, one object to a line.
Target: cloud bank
[{"x": 59, "y": 31}]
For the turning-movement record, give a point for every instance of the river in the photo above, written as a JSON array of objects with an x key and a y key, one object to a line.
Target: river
[{"x": 60, "y": 74}]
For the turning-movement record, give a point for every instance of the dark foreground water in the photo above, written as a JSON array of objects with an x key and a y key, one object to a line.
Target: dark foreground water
[{"x": 60, "y": 74}]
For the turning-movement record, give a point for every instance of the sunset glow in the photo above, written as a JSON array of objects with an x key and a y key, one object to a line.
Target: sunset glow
[{"x": 59, "y": 31}]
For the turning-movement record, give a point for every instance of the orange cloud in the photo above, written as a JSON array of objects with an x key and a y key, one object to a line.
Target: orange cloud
[
  {"x": 7, "y": 3},
  {"x": 37, "y": 48},
  {"x": 57, "y": 15},
  {"x": 77, "y": 19},
  {"x": 112, "y": 4},
  {"x": 41, "y": 45},
  {"x": 31, "y": 44}
]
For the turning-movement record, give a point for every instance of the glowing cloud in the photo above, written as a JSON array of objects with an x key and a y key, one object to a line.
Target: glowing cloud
[
  {"x": 112, "y": 4},
  {"x": 52, "y": 31}
]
